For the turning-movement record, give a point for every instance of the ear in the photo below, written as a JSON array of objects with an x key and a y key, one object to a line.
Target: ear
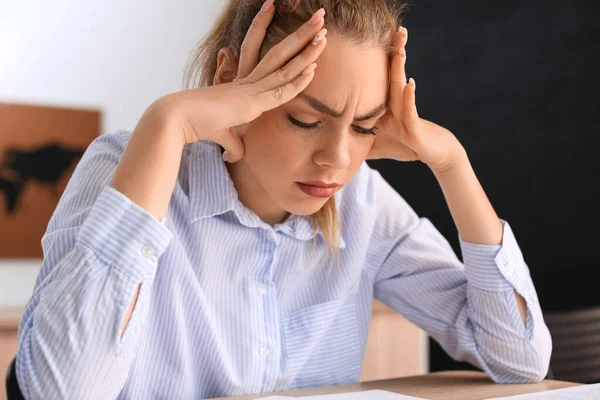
[{"x": 227, "y": 67}]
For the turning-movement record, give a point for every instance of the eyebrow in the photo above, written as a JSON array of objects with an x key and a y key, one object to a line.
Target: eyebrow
[{"x": 325, "y": 109}]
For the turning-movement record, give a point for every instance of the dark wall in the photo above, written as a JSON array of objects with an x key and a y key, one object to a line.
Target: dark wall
[{"x": 517, "y": 82}]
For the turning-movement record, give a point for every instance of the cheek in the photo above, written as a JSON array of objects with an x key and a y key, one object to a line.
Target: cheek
[
  {"x": 360, "y": 149},
  {"x": 363, "y": 147},
  {"x": 274, "y": 134},
  {"x": 270, "y": 144}
]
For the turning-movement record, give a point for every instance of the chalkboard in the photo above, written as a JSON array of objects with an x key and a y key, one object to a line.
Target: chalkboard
[{"x": 518, "y": 83}]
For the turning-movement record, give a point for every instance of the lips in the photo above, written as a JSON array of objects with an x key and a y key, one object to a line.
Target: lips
[
  {"x": 319, "y": 189},
  {"x": 320, "y": 184}
]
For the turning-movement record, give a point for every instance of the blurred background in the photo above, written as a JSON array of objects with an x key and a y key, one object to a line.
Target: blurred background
[
  {"x": 69, "y": 71},
  {"x": 78, "y": 59},
  {"x": 516, "y": 81}
]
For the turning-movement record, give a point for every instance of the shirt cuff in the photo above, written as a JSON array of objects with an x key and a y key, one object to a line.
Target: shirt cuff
[
  {"x": 496, "y": 268},
  {"x": 124, "y": 234}
]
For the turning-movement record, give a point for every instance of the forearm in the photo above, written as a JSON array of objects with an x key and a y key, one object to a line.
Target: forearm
[
  {"x": 129, "y": 311},
  {"x": 148, "y": 168},
  {"x": 470, "y": 311},
  {"x": 472, "y": 212},
  {"x": 69, "y": 344},
  {"x": 77, "y": 337},
  {"x": 509, "y": 353}
]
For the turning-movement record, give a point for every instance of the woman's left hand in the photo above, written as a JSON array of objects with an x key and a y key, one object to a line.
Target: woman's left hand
[{"x": 401, "y": 134}]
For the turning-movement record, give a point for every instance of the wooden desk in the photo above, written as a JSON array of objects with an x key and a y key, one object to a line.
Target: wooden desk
[{"x": 447, "y": 385}]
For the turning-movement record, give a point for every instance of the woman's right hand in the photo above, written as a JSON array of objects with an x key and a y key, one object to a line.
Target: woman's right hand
[
  {"x": 212, "y": 113},
  {"x": 148, "y": 169}
]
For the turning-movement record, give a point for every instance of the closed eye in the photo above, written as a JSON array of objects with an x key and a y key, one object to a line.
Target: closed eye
[
  {"x": 303, "y": 125},
  {"x": 364, "y": 131},
  {"x": 315, "y": 125}
]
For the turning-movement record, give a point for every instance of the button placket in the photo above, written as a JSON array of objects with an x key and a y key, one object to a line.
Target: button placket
[
  {"x": 262, "y": 283},
  {"x": 148, "y": 252},
  {"x": 265, "y": 352},
  {"x": 262, "y": 289}
]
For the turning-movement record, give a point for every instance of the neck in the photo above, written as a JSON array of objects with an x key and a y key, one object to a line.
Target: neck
[{"x": 253, "y": 196}]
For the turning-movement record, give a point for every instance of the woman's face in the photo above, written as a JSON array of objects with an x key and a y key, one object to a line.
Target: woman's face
[{"x": 349, "y": 82}]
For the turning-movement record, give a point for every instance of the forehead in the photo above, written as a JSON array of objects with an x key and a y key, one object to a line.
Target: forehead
[{"x": 350, "y": 77}]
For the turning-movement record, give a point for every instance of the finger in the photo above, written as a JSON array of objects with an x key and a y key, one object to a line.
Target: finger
[
  {"x": 410, "y": 115},
  {"x": 282, "y": 94},
  {"x": 295, "y": 67},
  {"x": 254, "y": 38},
  {"x": 288, "y": 47},
  {"x": 398, "y": 70},
  {"x": 233, "y": 145}
]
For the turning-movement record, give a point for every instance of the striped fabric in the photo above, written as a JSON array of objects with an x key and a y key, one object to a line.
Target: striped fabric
[{"x": 230, "y": 305}]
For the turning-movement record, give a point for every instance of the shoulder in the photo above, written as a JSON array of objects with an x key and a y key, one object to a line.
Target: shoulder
[
  {"x": 359, "y": 190},
  {"x": 376, "y": 203},
  {"x": 369, "y": 189},
  {"x": 112, "y": 142},
  {"x": 92, "y": 174}
]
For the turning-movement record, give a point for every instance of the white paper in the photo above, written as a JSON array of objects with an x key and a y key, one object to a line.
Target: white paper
[
  {"x": 585, "y": 392},
  {"x": 366, "y": 395}
]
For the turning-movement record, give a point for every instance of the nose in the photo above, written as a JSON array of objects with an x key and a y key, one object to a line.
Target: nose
[{"x": 334, "y": 150}]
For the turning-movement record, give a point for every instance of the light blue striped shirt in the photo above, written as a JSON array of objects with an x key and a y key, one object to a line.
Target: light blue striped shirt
[{"x": 230, "y": 305}]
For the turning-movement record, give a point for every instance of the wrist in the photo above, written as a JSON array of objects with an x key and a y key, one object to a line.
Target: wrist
[
  {"x": 166, "y": 118},
  {"x": 456, "y": 159}
]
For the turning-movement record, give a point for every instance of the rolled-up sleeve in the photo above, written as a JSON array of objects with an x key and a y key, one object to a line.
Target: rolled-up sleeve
[
  {"x": 468, "y": 307},
  {"x": 99, "y": 246}
]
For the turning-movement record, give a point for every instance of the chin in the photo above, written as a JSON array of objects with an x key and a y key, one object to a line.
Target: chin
[{"x": 304, "y": 207}]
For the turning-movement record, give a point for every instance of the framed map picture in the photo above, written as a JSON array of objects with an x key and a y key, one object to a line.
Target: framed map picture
[{"x": 40, "y": 147}]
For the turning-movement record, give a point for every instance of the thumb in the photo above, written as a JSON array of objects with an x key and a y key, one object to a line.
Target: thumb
[
  {"x": 410, "y": 115},
  {"x": 233, "y": 145}
]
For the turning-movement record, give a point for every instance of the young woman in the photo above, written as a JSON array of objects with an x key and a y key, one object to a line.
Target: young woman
[{"x": 175, "y": 270}]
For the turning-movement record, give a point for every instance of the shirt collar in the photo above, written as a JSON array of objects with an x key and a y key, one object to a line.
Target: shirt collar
[{"x": 212, "y": 192}]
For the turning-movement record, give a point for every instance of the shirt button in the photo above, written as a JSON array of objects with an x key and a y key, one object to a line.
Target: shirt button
[
  {"x": 510, "y": 269},
  {"x": 264, "y": 352},
  {"x": 262, "y": 289},
  {"x": 148, "y": 251}
]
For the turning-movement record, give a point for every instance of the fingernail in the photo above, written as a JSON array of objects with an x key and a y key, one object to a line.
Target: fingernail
[
  {"x": 319, "y": 36},
  {"x": 317, "y": 16},
  {"x": 225, "y": 156},
  {"x": 266, "y": 5}
]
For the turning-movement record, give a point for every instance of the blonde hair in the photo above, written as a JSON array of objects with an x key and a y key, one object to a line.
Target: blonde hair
[{"x": 366, "y": 23}]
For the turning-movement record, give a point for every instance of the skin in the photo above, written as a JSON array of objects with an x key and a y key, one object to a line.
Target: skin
[
  {"x": 147, "y": 170},
  {"x": 268, "y": 154},
  {"x": 350, "y": 81}
]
